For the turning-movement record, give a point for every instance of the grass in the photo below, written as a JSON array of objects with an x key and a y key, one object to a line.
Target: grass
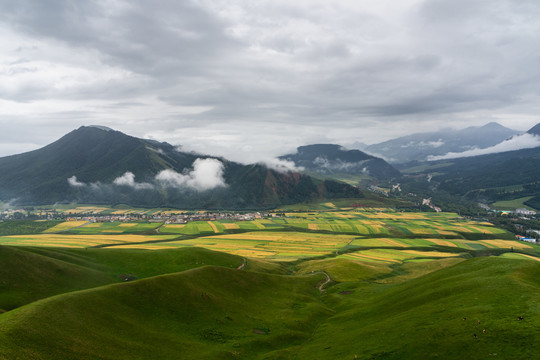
[
  {"x": 22, "y": 227},
  {"x": 423, "y": 318},
  {"x": 513, "y": 204},
  {"x": 210, "y": 312},
  {"x": 28, "y": 274}
]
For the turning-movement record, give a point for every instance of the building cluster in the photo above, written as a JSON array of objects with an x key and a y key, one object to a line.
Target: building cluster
[
  {"x": 527, "y": 239},
  {"x": 173, "y": 218}
]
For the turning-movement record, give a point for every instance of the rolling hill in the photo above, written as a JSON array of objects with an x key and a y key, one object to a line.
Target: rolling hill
[
  {"x": 100, "y": 165},
  {"x": 447, "y": 309}
]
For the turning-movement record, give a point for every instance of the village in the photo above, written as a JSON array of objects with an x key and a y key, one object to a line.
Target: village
[{"x": 166, "y": 217}]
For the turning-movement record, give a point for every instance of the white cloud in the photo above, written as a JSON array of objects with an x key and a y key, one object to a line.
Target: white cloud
[
  {"x": 74, "y": 182},
  {"x": 207, "y": 174},
  {"x": 517, "y": 142},
  {"x": 281, "y": 165},
  {"x": 128, "y": 179},
  {"x": 338, "y": 165}
]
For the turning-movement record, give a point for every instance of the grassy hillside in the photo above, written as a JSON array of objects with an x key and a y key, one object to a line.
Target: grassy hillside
[
  {"x": 29, "y": 274},
  {"x": 210, "y": 312},
  {"x": 442, "y": 315}
]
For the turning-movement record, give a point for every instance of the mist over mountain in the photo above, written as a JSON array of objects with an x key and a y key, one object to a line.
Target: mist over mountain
[
  {"x": 535, "y": 130},
  {"x": 334, "y": 159},
  {"x": 99, "y": 165},
  {"x": 497, "y": 175},
  {"x": 421, "y": 146}
]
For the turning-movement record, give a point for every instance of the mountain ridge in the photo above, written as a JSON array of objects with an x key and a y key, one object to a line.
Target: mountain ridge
[
  {"x": 420, "y": 146},
  {"x": 335, "y": 159},
  {"x": 94, "y": 165}
]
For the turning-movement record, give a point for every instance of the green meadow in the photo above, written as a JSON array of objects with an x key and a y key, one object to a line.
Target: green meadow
[{"x": 318, "y": 284}]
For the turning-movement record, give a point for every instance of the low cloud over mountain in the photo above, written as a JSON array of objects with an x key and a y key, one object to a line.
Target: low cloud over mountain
[
  {"x": 517, "y": 142},
  {"x": 206, "y": 174}
]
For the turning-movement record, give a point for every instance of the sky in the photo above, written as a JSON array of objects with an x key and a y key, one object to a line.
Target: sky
[{"x": 250, "y": 80}]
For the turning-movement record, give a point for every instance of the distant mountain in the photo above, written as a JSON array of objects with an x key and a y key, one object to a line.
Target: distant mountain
[
  {"x": 422, "y": 145},
  {"x": 99, "y": 165},
  {"x": 487, "y": 178},
  {"x": 334, "y": 159},
  {"x": 535, "y": 130}
]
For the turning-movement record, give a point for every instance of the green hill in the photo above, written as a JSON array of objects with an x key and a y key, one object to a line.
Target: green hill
[
  {"x": 205, "y": 313},
  {"x": 29, "y": 274},
  {"x": 442, "y": 315},
  {"x": 444, "y": 309}
]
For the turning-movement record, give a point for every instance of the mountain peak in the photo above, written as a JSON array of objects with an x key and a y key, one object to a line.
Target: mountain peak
[
  {"x": 492, "y": 125},
  {"x": 535, "y": 130},
  {"x": 100, "y": 127}
]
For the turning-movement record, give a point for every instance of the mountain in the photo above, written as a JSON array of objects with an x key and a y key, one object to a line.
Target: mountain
[
  {"x": 334, "y": 159},
  {"x": 99, "y": 165},
  {"x": 488, "y": 178},
  {"x": 422, "y": 145},
  {"x": 535, "y": 130}
]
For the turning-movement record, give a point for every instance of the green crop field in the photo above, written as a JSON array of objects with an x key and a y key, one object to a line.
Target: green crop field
[
  {"x": 513, "y": 204},
  {"x": 320, "y": 284}
]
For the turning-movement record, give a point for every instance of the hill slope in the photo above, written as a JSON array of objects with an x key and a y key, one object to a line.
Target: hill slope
[
  {"x": 209, "y": 312},
  {"x": 214, "y": 312},
  {"x": 469, "y": 310},
  {"x": 97, "y": 165}
]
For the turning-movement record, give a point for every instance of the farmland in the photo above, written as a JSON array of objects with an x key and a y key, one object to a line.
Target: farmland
[
  {"x": 306, "y": 284},
  {"x": 370, "y": 235}
]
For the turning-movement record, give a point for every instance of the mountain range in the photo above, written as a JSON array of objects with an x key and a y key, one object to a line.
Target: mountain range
[
  {"x": 95, "y": 164},
  {"x": 504, "y": 175},
  {"x": 421, "y": 146}
]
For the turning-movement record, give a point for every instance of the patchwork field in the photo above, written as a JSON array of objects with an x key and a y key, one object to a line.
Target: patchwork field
[
  {"x": 78, "y": 241},
  {"x": 369, "y": 236}
]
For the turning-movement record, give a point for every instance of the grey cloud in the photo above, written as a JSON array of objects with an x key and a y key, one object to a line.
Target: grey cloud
[{"x": 314, "y": 66}]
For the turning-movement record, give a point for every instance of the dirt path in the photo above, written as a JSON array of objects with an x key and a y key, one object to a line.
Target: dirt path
[
  {"x": 326, "y": 281},
  {"x": 349, "y": 243},
  {"x": 243, "y": 265},
  {"x": 159, "y": 227}
]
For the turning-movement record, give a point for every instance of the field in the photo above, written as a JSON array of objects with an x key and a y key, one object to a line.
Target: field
[
  {"x": 513, "y": 204},
  {"x": 328, "y": 284}
]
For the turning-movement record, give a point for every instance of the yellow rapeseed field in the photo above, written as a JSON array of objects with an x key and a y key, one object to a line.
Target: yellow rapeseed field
[
  {"x": 506, "y": 244},
  {"x": 66, "y": 225},
  {"x": 214, "y": 227}
]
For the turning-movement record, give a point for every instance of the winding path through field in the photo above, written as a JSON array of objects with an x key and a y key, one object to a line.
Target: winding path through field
[
  {"x": 326, "y": 281},
  {"x": 243, "y": 265}
]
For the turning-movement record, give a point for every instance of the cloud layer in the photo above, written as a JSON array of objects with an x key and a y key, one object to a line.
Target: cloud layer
[
  {"x": 237, "y": 78},
  {"x": 523, "y": 141},
  {"x": 207, "y": 174}
]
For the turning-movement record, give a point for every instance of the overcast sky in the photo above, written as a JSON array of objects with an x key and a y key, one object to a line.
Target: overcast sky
[{"x": 254, "y": 79}]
